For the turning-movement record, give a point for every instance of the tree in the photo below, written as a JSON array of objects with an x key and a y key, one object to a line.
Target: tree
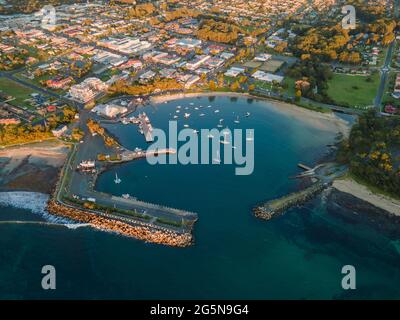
[{"x": 212, "y": 85}]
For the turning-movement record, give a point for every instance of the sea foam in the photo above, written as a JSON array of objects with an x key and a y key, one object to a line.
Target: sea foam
[{"x": 36, "y": 203}]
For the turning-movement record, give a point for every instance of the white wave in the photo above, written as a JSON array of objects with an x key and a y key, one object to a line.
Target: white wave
[{"x": 35, "y": 202}]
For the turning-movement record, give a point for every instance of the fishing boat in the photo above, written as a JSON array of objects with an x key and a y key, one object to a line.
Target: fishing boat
[{"x": 117, "y": 180}]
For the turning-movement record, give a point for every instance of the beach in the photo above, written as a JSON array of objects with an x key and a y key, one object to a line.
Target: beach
[
  {"x": 323, "y": 121},
  {"x": 32, "y": 167},
  {"x": 360, "y": 191}
]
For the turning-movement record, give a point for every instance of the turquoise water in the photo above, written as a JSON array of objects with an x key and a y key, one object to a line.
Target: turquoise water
[{"x": 296, "y": 256}]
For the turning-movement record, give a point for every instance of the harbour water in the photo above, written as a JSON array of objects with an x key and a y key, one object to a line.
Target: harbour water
[{"x": 298, "y": 255}]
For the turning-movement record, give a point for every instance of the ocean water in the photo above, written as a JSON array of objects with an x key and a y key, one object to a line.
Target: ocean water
[{"x": 298, "y": 255}]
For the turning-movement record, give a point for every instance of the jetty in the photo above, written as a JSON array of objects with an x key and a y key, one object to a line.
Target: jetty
[
  {"x": 274, "y": 207},
  {"x": 128, "y": 155},
  {"x": 144, "y": 123}
]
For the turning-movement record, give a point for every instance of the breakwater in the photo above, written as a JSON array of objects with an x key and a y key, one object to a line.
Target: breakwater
[
  {"x": 140, "y": 232},
  {"x": 274, "y": 207}
]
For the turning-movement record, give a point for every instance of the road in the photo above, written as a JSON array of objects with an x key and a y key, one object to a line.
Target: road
[{"x": 386, "y": 66}]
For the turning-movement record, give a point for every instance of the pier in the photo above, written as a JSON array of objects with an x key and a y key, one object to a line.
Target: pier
[
  {"x": 145, "y": 126},
  {"x": 272, "y": 208},
  {"x": 323, "y": 175},
  {"x": 128, "y": 155}
]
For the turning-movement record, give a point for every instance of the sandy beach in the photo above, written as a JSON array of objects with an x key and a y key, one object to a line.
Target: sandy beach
[
  {"x": 323, "y": 121},
  {"x": 362, "y": 192},
  {"x": 31, "y": 167}
]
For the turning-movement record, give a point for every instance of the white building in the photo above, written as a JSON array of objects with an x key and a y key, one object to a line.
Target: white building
[
  {"x": 87, "y": 90},
  {"x": 197, "y": 62},
  {"x": 234, "y": 72},
  {"x": 108, "y": 110},
  {"x": 267, "y": 77}
]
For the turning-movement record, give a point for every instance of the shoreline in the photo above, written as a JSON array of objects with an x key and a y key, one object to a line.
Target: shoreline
[
  {"x": 32, "y": 167},
  {"x": 350, "y": 186},
  {"x": 324, "y": 121}
]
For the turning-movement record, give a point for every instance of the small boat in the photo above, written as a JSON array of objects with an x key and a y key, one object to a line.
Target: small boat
[
  {"x": 176, "y": 117},
  {"x": 218, "y": 158},
  {"x": 191, "y": 103},
  {"x": 117, "y": 180},
  {"x": 216, "y": 111},
  {"x": 186, "y": 125},
  {"x": 186, "y": 115},
  {"x": 196, "y": 108},
  {"x": 202, "y": 114},
  {"x": 247, "y": 114},
  {"x": 209, "y": 106},
  {"x": 237, "y": 120},
  {"x": 196, "y": 131},
  {"x": 177, "y": 111},
  {"x": 220, "y": 123},
  {"x": 250, "y": 138},
  {"x": 210, "y": 136},
  {"x": 126, "y": 196},
  {"x": 178, "y": 107},
  {"x": 224, "y": 142}
]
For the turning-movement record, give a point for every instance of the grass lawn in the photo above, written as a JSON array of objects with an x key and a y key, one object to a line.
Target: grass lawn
[
  {"x": 20, "y": 92},
  {"x": 351, "y": 91}
]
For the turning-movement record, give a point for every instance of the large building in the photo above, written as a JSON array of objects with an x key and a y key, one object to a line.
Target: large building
[
  {"x": 109, "y": 110},
  {"x": 87, "y": 90}
]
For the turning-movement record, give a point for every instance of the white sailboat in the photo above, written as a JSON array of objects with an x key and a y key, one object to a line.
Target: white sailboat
[
  {"x": 250, "y": 138},
  {"x": 117, "y": 180},
  {"x": 217, "y": 159},
  {"x": 225, "y": 140}
]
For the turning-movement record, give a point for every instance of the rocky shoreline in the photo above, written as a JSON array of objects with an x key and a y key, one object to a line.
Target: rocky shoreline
[{"x": 143, "y": 233}]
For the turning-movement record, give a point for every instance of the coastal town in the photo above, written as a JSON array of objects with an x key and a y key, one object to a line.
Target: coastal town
[{"x": 101, "y": 61}]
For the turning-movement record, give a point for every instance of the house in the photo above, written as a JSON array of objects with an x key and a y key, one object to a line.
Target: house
[{"x": 59, "y": 131}]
